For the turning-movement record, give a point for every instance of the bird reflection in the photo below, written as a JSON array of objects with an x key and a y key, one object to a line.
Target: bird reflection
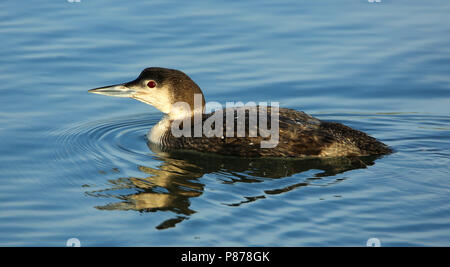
[{"x": 171, "y": 185}]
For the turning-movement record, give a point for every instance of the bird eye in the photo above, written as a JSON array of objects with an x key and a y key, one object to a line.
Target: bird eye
[{"x": 151, "y": 84}]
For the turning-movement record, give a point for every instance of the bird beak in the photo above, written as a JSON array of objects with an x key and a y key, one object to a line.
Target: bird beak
[{"x": 118, "y": 90}]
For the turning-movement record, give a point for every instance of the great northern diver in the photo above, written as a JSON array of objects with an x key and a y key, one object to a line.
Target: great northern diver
[{"x": 299, "y": 135}]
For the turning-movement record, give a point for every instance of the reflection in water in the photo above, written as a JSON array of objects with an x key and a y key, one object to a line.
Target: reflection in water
[{"x": 170, "y": 186}]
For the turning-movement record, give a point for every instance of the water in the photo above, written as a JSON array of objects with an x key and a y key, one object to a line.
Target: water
[{"x": 75, "y": 164}]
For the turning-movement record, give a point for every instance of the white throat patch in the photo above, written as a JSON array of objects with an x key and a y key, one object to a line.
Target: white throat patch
[{"x": 156, "y": 133}]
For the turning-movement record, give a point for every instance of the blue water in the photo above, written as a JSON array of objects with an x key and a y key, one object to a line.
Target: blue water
[{"x": 74, "y": 164}]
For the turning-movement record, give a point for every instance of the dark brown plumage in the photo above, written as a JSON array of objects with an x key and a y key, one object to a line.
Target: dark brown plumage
[{"x": 300, "y": 135}]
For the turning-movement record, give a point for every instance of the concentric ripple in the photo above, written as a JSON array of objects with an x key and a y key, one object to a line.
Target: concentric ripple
[{"x": 115, "y": 140}]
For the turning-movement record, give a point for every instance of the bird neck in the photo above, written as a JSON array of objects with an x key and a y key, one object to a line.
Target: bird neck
[
  {"x": 187, "y": 107},
  {"x": 155, "y": 135},
  {"x": 179, "y": 111}
]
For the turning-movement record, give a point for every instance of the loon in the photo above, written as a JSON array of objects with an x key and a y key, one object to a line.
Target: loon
[{"x": 300, "y": 135}]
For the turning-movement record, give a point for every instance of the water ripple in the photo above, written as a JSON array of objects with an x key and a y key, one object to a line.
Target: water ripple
[
  {"x": 120, "y": 138},
  {"x": 381, "y": 68}
]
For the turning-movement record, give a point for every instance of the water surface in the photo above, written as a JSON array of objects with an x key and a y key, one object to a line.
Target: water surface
[{"x": 75, "y": 164}]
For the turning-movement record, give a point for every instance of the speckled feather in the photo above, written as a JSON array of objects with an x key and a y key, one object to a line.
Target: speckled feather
[{"x": 300, "y": 135}]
